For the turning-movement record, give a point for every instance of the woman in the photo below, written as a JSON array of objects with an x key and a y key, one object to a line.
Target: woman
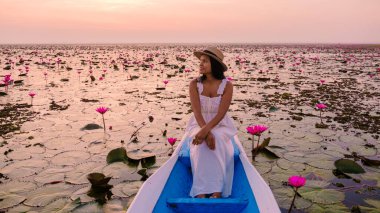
[{"x": 211, "y": 150}]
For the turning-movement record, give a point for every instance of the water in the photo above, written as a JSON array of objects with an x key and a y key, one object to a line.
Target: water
[{"x": 50, "y": 154}]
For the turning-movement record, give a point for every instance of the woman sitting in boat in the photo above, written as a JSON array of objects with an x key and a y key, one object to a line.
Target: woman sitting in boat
[{"x": 211, "y": 151}]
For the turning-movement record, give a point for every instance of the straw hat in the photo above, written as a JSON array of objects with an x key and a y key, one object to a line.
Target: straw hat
[{"x": 214, "y": 53}]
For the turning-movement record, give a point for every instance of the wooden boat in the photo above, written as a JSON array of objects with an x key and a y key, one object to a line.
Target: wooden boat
[{"x": 167, "y": 190}]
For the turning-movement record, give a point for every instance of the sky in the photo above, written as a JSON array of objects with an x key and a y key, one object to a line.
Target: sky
[{"x": 189, "y": 21}]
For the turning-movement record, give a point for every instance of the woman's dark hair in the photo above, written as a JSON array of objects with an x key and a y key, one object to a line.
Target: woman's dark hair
[{"x": 216, "y": 70}]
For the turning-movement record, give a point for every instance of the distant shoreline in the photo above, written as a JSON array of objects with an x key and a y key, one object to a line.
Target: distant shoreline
[{"x": 196, "y": 44}]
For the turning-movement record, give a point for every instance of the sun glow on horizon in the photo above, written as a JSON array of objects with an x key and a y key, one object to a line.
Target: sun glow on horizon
[{"x": 54, "y": 21}]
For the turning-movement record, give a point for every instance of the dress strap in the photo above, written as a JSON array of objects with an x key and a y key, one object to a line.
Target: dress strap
[{"x": 221, "y": 87}]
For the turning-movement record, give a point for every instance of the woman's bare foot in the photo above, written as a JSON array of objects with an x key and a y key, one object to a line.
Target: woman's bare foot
[
  {"x": 216, "y": 195},
  {"x": 201, "y": 196}
]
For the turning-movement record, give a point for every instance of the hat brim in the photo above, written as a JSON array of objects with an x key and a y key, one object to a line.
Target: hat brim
[{"x": 198, "y": 54}]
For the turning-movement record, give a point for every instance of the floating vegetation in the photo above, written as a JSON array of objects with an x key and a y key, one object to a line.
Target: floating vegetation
[
  {"x": 12, "y": 116},
  {"x": 100, "y": 189},
  {"x": 49, "y": 149}
]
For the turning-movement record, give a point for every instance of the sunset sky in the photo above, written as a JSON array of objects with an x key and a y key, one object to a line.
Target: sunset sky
[{"x": 189, "y": 21}]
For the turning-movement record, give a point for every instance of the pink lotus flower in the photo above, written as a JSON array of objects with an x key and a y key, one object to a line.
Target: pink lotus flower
[
  {"x": 7, "y": 78},
  {"x": 297, "y": 181},
  {"x": 229, "y": 79},
  {"x": 187, "y": 70},
  {"x": 32, "y": 94},
  {"x": 172, "y": 141},
  {"x": 104, "y": 71},
  {"x": 166, "y": 82},
  {"x": 321, "y": 106},
  {"x": 101, "y": 78},
  {"x": 322, "y": 81},
  {"x": 256, "y": 130},
  {"x": 102, "y": 110},
  {"x": 45, "y": 74}
]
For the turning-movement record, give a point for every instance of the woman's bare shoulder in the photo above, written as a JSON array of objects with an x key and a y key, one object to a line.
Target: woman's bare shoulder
[
  {"x": 229, "y": 84},
  {"x": 193, "y": 82}
]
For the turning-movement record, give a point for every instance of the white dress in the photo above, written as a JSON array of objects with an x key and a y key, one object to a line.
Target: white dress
[{"x": 212, "y": 169}]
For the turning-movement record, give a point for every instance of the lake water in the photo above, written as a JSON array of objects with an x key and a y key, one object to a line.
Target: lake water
[{"x": 46, "y": 150}]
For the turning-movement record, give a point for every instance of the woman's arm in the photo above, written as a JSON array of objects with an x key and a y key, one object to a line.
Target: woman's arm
[
  {"x": 195, "y": 103},
  {"x": 223, "y": 107}
]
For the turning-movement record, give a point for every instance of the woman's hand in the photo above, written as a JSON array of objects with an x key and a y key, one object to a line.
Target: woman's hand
[
  {"x": 200, "y": 136},
  {"x": 210, "y": 141}
]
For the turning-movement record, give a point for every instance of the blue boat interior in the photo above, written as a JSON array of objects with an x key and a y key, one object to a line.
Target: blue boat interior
[{"x": 175, "y": 195}]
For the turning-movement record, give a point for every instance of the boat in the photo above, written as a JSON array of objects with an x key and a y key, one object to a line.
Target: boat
[{"x": 167, "y": 190}]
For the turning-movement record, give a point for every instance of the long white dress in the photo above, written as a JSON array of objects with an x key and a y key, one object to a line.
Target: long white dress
[{"x": 212, "y": 169}]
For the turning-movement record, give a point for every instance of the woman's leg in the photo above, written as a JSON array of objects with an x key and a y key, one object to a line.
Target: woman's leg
[{"x": 201, "y": 196}]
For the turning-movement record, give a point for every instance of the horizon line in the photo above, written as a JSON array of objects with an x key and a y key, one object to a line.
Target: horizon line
[{"x": 195, "y": 43}]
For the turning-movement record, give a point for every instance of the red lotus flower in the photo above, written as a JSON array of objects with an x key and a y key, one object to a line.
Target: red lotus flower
[
  {"x": 256, "y": 130},
  {"x": 321, "y": 106},
  {"x": 297, "y": 181},
  {"x": 32, "y": 94},
  {"x": 102, "y": 110},
  {"x": 172, "y": 141}
]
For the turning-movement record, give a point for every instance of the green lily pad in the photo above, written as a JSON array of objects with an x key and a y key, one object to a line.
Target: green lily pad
[
  {"x": 91, "y": 126},
  {"x": 45, "y": 195},
  {"x": 363, "y": 150},
  {"x": 12, "y": 193},
  {"x": 92, "y": 207},
  {"x": 336, "y": 208},
  {"x": 79, "y": 174},
  {"x": 316, "y": 184},
  {"x": 120, "y": 169},
  {"x": 127, "y": 189},
  {"x": 288, "y": 165},
  {"x": 348, "y": 166},
  {"x": 372, "y": 176},
  {"x": 118, "y": 155},
  {"x": 82, "y": 195},
  {"x": 70, "y": 158},
  {"x": 62, "y": 143},
  {"x": 20, "y": 208},
  {"x": 284, "y": 197},
  {"x": 262, "y": 167},
  {"x": 322, "y": 196},
  {"x": 374, "y": 203},
  {"x": 97, "y": 179},
  {"x": 23, "y": 168},
  {"x": 351, "y": 140},
  {"x": 61, "y": 205},
  {"x": 273, "y": 109},
  {"x": 52, "y": 175},
  {"x": 367, "y": 209},
  {"x": 322, "y": 164},
  {"x": 313, "y": 137},
  {"x": 148, "y": 162}
]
